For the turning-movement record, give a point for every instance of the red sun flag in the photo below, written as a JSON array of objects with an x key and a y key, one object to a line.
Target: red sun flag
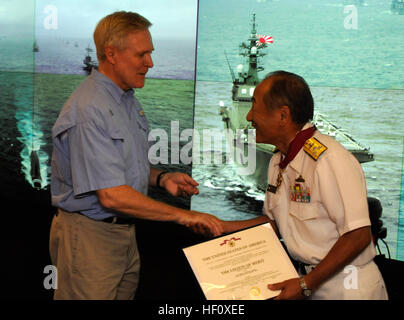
[{"x": 264, "y": 39}]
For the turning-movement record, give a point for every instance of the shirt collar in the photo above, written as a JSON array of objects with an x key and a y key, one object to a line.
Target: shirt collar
[
  {"x": 297, "y": 162},
  {"x": 116, "y": 92}
]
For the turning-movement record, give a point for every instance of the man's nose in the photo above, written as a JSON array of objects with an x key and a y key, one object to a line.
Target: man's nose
[
  {"x": 149, "y": 62},
  {"x": 249, "y": 116}
]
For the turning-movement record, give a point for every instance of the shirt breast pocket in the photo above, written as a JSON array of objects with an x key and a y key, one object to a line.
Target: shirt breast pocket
[
  {"x": 117, "y": 134},
  {"x": 303, "y": 211},
  {"x": 119, "y": 139}
]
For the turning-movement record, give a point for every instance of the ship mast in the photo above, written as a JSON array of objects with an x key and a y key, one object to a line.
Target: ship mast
[{"x": 252, "y": 52}]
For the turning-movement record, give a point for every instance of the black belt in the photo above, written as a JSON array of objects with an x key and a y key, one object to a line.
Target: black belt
[
  {"x": 301, "y": 266},
  {"x": 118, "y": 220},
  {"x": 113, "y": 220}
]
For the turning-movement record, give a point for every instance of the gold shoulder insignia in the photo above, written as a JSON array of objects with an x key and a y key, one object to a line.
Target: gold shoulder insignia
[{"x": 314, "y": 148}]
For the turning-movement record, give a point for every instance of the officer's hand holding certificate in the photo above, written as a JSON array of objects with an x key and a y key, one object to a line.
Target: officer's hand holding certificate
[{"x": 239, "y": 266}]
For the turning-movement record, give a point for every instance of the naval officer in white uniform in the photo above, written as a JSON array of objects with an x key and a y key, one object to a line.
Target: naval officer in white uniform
[{"x": 316, "y": 199}]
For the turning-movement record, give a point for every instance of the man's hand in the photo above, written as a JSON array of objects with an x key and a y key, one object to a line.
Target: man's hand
[
  {"x": 203, "y": 223},
  {"x": 179, "y": 184},
  {"x": 133, "y": 203},
  {"x": 290, "y": 289}
]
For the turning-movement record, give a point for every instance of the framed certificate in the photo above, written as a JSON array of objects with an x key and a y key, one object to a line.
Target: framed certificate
[{"x": 239, "y": 266}]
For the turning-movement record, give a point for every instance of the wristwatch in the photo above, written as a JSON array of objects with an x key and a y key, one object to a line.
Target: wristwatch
[
  {"x": 305, "y": 291},
  {"x": 159, "y": 178}
]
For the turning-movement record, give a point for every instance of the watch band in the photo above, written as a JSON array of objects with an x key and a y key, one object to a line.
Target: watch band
[
  {"x": 159, "y": 178},
  {"x": 305, "y": 290}
]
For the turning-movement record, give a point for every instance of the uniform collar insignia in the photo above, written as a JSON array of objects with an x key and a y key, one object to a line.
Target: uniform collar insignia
[{"x": 314, "y": 148}]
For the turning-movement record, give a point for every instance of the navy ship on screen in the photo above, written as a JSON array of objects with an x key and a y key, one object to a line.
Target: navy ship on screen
[
  {"x": 88, "y": 62},
  {"x": 234, "y": 117},
  {"x": 397, "y": 6},
  {"x": 35, "y": 47}
]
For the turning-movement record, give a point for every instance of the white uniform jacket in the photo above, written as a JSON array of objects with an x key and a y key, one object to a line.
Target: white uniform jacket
[{"x": 318, "y": 201}]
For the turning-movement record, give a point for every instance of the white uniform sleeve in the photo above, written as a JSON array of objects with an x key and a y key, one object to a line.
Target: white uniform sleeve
[
  {"x": 343, "y": 191},
  {"x": 266, "y": 210}
]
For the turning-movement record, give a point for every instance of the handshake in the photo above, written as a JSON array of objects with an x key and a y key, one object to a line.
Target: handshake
[
  {"x": 204, "y": 223},
  {"x": 180, "y": 184}
]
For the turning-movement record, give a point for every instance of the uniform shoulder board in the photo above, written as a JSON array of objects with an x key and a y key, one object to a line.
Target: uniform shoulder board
[{"x": 314, "y": 148}]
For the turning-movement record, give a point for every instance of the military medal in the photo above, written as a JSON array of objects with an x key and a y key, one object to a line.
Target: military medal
[{"x": 299, "y": 193}]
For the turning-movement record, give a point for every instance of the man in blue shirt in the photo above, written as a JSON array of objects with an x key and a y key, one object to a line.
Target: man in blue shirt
[{"x": 101, "y": 172}]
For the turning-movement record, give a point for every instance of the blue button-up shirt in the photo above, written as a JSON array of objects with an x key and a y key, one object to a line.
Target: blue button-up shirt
[{"x": 100, "y": 140}]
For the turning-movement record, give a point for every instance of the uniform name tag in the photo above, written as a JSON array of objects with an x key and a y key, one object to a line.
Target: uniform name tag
[{"x": 272, "y": 188}]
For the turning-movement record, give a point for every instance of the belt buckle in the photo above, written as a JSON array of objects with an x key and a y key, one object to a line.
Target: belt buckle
[{"x": 308, "y": 268}]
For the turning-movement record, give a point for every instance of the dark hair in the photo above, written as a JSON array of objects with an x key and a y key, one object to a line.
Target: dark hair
[{"x": 290, "y": 90}]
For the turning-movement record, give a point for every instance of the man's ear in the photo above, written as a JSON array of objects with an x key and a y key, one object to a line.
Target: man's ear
[
  {"x": 110, "y": 53},
  {"x": 285, "y": 115}
]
